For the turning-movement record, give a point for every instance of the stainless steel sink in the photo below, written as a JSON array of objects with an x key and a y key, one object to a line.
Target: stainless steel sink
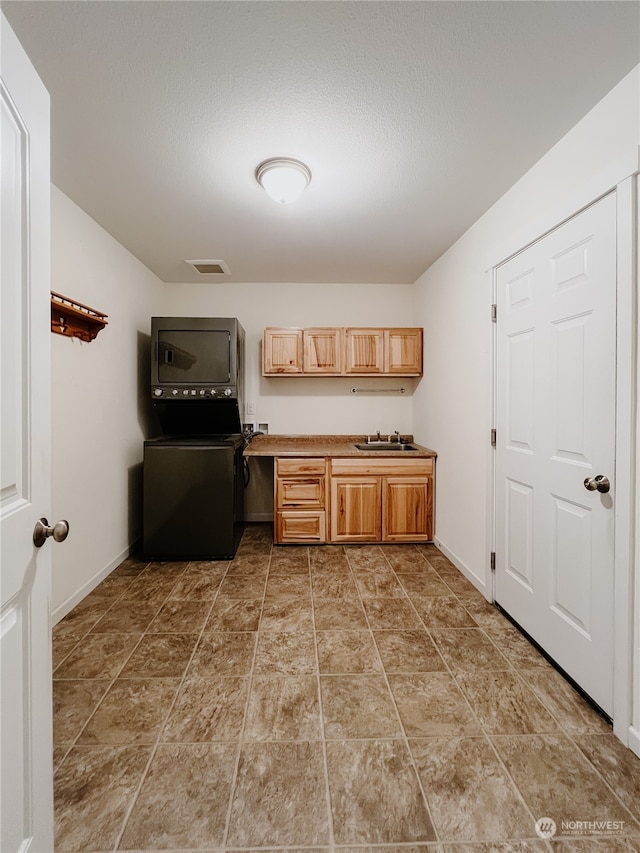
[{"x": 385, "y": 445}]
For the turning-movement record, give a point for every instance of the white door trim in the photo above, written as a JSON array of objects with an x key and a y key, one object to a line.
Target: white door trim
[{"x": 626, "y": 711}]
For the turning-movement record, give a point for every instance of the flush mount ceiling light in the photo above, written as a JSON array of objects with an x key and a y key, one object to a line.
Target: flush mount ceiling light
[{"x": 283, "y": 179}]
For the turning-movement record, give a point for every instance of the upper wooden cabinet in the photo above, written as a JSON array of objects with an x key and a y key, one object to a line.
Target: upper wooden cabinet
[
  {"x": 403, "y": 351},
  {"x": 365, "y": 350},
  {"x": 342, "y": 352},
  {"x": 323, "y": 351},
  {"x": 282, "y": 351}
]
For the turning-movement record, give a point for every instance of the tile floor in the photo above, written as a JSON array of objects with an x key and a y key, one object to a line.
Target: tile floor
[{"x": 357, "y": 698}]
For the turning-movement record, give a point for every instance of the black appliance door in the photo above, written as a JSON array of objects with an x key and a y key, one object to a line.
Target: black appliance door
[{"x": 192, "y": 509}]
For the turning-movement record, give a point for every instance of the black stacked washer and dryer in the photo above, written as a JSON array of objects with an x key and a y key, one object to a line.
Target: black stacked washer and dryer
[{"x": 193, "y": 473}]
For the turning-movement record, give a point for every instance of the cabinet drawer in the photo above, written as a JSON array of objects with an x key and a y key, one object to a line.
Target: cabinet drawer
[
  {"x": 300, "y": 526},
  {"x": 300, "y": 491},
  {"x": 387, "y": 467},
  {"x": 286, "y": 466}
]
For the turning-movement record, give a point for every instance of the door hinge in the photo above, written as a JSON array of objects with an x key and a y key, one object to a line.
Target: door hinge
[
  {"x": 494, "y": 313},
  {"x": 493, "y": 561},
  {"x": 493, "y": 437}
]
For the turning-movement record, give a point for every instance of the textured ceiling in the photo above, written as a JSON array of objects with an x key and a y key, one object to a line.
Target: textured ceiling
[{"x": 414, "y": 117}]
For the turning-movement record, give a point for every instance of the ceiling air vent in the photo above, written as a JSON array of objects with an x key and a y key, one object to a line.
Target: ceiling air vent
[{"x": 210, "y": 267}]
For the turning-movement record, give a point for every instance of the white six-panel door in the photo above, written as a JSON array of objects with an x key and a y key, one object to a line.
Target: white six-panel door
[
  {"x": 25, "y": 634},
  {"x": 556, "y": 383}
]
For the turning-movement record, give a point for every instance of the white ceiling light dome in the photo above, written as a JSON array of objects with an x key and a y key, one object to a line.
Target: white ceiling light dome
[{"x": 283, "y": 179}]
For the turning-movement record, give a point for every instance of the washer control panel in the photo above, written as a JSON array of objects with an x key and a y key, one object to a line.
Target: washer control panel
[{"x": 159, "y": 393}]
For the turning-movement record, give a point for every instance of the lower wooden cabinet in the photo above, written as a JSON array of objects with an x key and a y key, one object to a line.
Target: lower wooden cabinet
[
  {"x": 300, "y": 500},
  {"x": 407, "y": 509},
  {"x": 381, "y": 500},
  {"x": 353, "y": 500},
  {"x": 355, "y": 509}
]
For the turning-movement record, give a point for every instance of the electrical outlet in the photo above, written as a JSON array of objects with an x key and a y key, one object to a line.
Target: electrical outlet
[{"x": 251, "y": 408}]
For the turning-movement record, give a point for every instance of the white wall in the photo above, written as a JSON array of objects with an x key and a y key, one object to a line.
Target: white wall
[
  {"x": 99, "y": 418},
  {"x": 453, "y": 404},
  {"x": 307, "y": 405},
  {"x": 292, "y": 405}
]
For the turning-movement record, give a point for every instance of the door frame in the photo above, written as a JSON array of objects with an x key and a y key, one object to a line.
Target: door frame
[{"x": 626, "y": 641}]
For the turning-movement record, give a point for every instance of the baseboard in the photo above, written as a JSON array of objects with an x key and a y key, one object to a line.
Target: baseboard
[
  {"x": 259, "y": 516},
  {"x": 67, "y": 606},
  {"x": 634, "y": 740},
  {"x": 466, "y": 571}
]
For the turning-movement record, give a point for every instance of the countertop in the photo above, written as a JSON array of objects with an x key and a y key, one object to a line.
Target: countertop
[{"x": 327, "y": 445}]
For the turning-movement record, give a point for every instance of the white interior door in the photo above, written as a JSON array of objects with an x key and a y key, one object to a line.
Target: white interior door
[
  {"x": 25, "y": 631},
  {"x": 556, "y": 383}
]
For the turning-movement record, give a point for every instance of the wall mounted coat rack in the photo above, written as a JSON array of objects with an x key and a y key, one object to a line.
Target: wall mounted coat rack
[{"x": 74, "y": 319}]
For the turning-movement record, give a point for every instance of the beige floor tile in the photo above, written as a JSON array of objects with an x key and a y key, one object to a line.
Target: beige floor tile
[
  {"x": 515, "y": 647},
  {"x": 283, "y": 708},
  {"x": 160, "y": 656},
  {"x": 130, "y": 617},
  {"x": 74, "y": 701},
  {"x": 184, "y": 798},
  {"x": 606, "y": 844},
  {"x": 617, "y": 764},
  {"x": 504, "y": 704},
  {"x": 423, "y": 583},
  {"x": 243, "y": 586},
  {"x": 388, "y": 614},
  {"x": 320, "y": 553},
  {"x": 513, "y": 846},
  {"x": 541, "y": 765},
  {"x": 288, "y": 586},
  {"x": 131, "y": 567},
  {"x": 375, "y": 795},
  {"x": 292, "y": 560},
  {"x": 81, "y": 619},
  {"x": 250, "y": 564},
  {"x": 468, "y": 649},
  {"x": 574, "y": 714},
  {"x": 148, "y": 590},
  {"x": 228, "y": 614},
  {"x": 431, "y": 704},
  {"x": 338, "y": 614},
  {"x": 98, "y": 656},
  {"x": 340, "y": 586},
  {"x": 61, "y": 647},
  {"x": 287, "y": 614},
  {"x": 180, "y": 617},
  {"x": 197, "y": 586},
  {"x": 442, "y": 611},
  {"x": 367, "y": 558},
  {"x": 379, "y": 585},
  {"x": 207, "y": 709},
  {"x": 280, "y": 797},
  {"x": 286, "y": 653},
  {"x": 470, "y": 796},
  {"x": 406, "y": 561},
  {"x": 408, "y": 651},
  {"x": 357, "y": 706},
  {"x": 132, "y": 711},
  {"x": 222, "y": 653},
  {"x": 94, "y": 787},
  {"x": 347, "y": 652}
]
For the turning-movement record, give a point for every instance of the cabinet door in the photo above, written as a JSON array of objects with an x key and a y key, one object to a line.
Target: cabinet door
[
  {"x": 300, "y": 492},
  {"x": 403, "y": 351},
  {"x": 364, "y": 350},
  {"x": 355, "y": 509},
  {"x": 300, "y": 526},
  {"x": 282, "y": 351},
  {"x": 323, "y": 351},
  {"x": 407, "y": 509}
]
